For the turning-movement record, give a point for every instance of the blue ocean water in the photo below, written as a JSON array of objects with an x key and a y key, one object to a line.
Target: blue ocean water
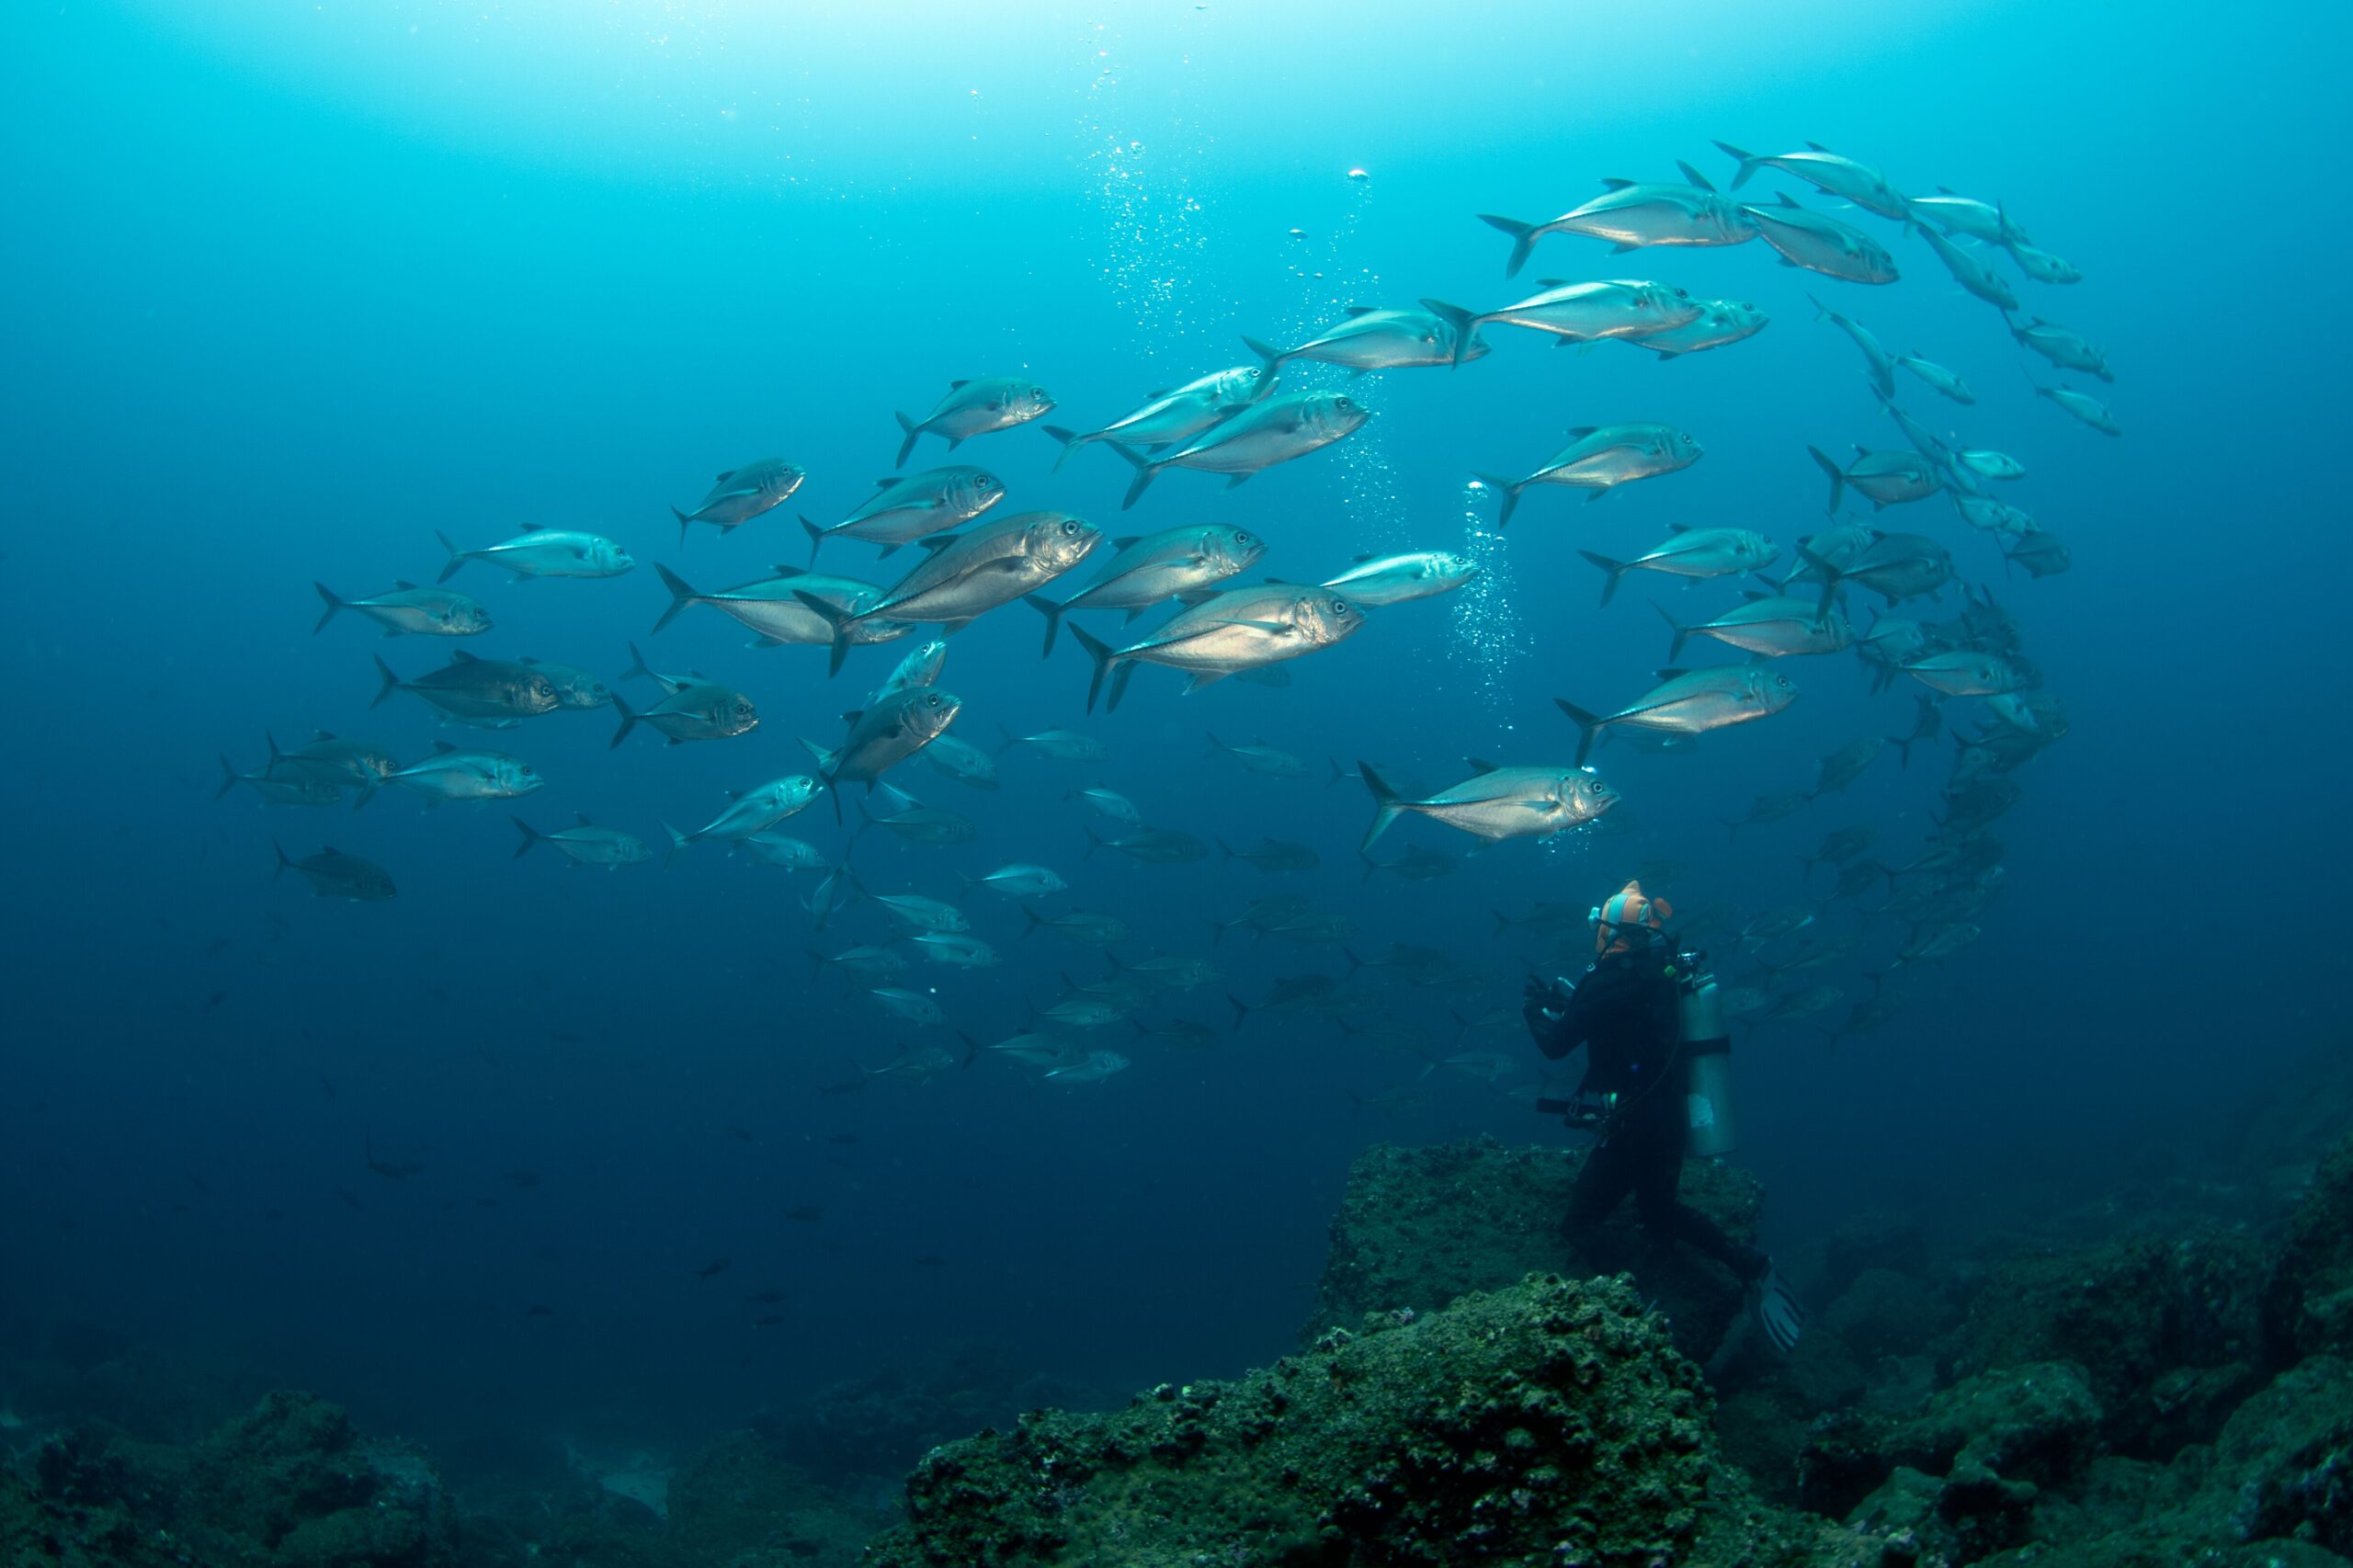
[{"x": 292, "y": 288}]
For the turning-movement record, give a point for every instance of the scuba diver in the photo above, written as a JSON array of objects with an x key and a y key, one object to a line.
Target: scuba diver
[{"x": 1653, "y": 1085}]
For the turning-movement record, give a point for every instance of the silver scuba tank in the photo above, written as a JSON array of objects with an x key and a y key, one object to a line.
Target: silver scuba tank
[{"x": 1707, "y": 1055}]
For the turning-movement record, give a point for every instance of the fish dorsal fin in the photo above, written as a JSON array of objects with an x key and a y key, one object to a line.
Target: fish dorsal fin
[
  {"x": 1581, "y": 431},
  {"x": 1608, "y": 183},
  {"x": 1947, "y": 190},
  {"x": 329, "y": 849},
  {"x": 1673, "y": 673},
  {"x": 1551, "y": 283},
  {"x": 580, "y": 819},
  {"x": 1359, "y": 560},
  {"x": 1679, "y": 528},
  {"x": 1693, "y": 176},
  {"x": 1480, "y": 764},
  {"x": 1124, "y": 542},
  {"x": 1861, "y": 452},
  {"x": 853, "y": 716},
  {"x": 785, "y": 569},
  {"x": 1194, "y": 597},
  {"x": 532, "y": 527},
  {"x": 460, "y": 656},
  {"x": 1362, "y": 310},
  {"x": 722, "y": 476},
  {"x": 1753, "y": 595},
  {"x": 529, "y": 659},
  {"x": 955, "y": 386},
  {"x": 1159, "y": 392},
  {"x": 322, "y": 734},
  {"x": 402, "y": 583},
  {"x": 887, "y": 481},
  {"x": 1820, "y": 148},
  {"x": 1788, "y": 200},
  {"x": 938, "y": 541},
  {"x": 442, "y": 748}
]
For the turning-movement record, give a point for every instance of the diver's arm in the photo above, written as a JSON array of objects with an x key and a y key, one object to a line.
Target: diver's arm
[{"x": 1558, "y": 1019}]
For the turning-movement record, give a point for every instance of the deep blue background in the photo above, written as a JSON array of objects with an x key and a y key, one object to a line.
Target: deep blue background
[{"x": 285, "y": 294}]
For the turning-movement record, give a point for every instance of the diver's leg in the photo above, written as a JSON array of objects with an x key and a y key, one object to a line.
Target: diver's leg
[
  {"x": 1602, "y": 1185},
  {"x": 1655, "y": 1179}
]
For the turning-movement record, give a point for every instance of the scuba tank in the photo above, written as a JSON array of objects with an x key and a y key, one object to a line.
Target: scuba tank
[{"x": 1707, "y": 1054}]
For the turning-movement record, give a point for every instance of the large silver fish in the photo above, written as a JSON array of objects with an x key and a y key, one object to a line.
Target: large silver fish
[
  {"x": 1374, "y": 338},
  {"x": 973, "y": 572},
  {"x": 327, "y": 759},
  {"x": 691, "y": 709},
  {"x": 279, "y": 785},
  {"x": 1689, "y": 702},
  {"x": 1771, "y": 626},
  {"x": 2064, "y": 346},
  {"x": 451, "y": 774},
  {"x": 585, "y": 843},
  {"x": 1973, "y": 274},
  {"x": 1957, "y": 214},
  {"x": 1373, "y": 581},
  {"x": 1598, "y": 457},
  {"x": 1159, "y": 566},
  {"x": 471, "y": 689},
  {"x": 1496, "y": 803},
  {"x": 1719, "y": 322},
  {"x": 544, "y": 553},
  {"x": 1882, "y": 365},
  {"x": 1287, "y": 425},
  {"x": 1830, "y": 173},
  {"x": 1693, "y": 554},
  {"x": 1887, "y": 479},
  {"x": 1897, "y": 566},
  {"x": 742, "y": 494},
  {"x": 2084, "y": 406},
  {"x": 1237, "y": 630},
  {"x": 409, "y": 611},
  {"x": 777, "y": 609},
  {"x": 334, "y": 874},
  {"x": 1946, "y": 381},
  {"x": 1176, "y": 413},
  {"x": 1631, "y": 215},
  {"x": 1823, "y": 244},
  {"x": 904, "y": 509},
  {"x": 2042, "y": 266},
  {"x": 884, "y": 734},
  {"x": 975, "y": 408},
  {"x": 1583, "y": 312}
]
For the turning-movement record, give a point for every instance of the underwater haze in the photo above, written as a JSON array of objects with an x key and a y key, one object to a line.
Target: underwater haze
[{"x": 538, "y": 1149}]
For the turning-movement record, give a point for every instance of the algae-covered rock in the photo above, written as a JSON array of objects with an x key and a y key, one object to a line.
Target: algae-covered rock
[
  {"x": 2036, "y": 1423},
  {"x": 1420, "y": 1226},
  {"x": 2134, "y": 1315},
  {"x": 2285, "y": 1461},
  {"x": 2308, "y": 1302},
  {"x": 291, "y": 1483},
  {"x": 739, "y": 1501},
  {"x": 1545, "y": 1422},
  {"x": 879, "y": 1422}
]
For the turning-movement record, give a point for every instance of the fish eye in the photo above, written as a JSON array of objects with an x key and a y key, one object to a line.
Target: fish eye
[
  {"x": 1339, "y": 606},
  {"x": 984, "y": 480},
  {"x": 1070, "y": 526}
]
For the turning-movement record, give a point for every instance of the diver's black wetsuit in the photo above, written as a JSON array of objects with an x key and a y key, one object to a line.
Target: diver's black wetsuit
[{"x": 1625, "y": 1013}]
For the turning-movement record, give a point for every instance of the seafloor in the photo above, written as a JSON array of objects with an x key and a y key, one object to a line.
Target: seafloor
[{"x": 2155, "y": 1369}]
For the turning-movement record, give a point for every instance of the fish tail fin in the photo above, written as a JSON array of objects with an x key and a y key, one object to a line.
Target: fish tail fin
[
  {"x": 1241, "y": 1011},
  {"x": 1747, "y": 161},
  {"x": 1030, "y": 920},
  {"x": 1523, "y": 240},
  {"x": 907, "y": 445},
  {"x": 678, "y": 842},
  {"x": 1682, "y": 633},
  {"x": 637, "y": 666},
  {"x": 1508, "y": 489},
  {"x": 334, "y": 601},
  {"x": 628, "y": 718},
  {"x": 1387, "y": 804},
  {"x": 841, "y": 621},
  {"x": 682, "y": 593},
  {"x": 1146, "y": 469},
  {"x": 1903, "y": 745},
  {"x": 1100, "y": 652},
  {"x": 283, "y": 860},
  {"x": 531, "y": 836},
  {"x": 816, "y": 539},
  {"x": 1273, "y": 358},
  {"x": 683, "y": 520},
  {"x": 1093, "y": 841},
  {"x": 229, "y": 780},
  {"x": 1612, "y": 570},
  {"x": 457, "y": 557},
  {"x": 1838, "y": 478},
  {"x": 1464, "y": 323},
  {"x": 1054, "y": 614},
  {"x": 1588, "y": 725},
  {"x": 389, "y": 682},
  {"x": 1831, "y": 577},
  {"x": 1067, "y": 439},
  {"x": 1503, "y": 922}
]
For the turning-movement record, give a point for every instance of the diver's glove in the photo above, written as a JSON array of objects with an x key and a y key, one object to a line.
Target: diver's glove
[{"x": 1542, "y": 1004}]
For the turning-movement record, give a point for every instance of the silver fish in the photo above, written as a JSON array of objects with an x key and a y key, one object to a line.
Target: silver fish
[
  {"x": 1276, "y": 430},
  {"x": 327, "y": 759},
  {"x": 2084, "y": 406},
  {"x": 1495, "y": 803},
  {"x": 971, "y": 573},
  {"x": 782, "y": 851},
  {"x": 778, "y": 609},
  {"x": 467, "y": 688},
  {"x": 453, "y": 775},
  {"x": 1689, "y": 702},
  {"x": 1177, "y": 414},
  {"x": 1371, "y": 338},
  {"x": 585, "y": 843},
  {"x": 1062, "y": 745},
  {"x": 1631, "y": 215},
  {"x": 1886, "y": 479},
  {"x": 1830, "y": 173},
  {"x": 543, "y": 552},
  {"x": 408, "y": 611},
  {"x": 1957, "y": 214},
  {"x": 1021, "y": 881},
  {"x": 1583, "y": 312},
  {"x": 754, "y": 811},
  {"x": 1693, "y": 554},
  {"x": 1158, "y": 566},
  {"x": 1897, "y": 566},
  {"x": 1374, "y": 581},
  {"x": 904, "y": 508},
  {"x": 742, "y": 494},
  {"x": 1973, "y": 274},
  {"x": 975, "y": 408},
  {"x": 1771, "y": 626},
  {"x": 1881, "y": 366},
  {"x": 1093, "y": 1068},
  {"x": 1719, "y": 322},
  {"x": 1266, "y": 759},
  {"x": 1966, "y": 673},
  {"x": 2064, "y": 346},
  {"x": 920, "y": 665},
  {"x": 1823, "y": 244},
  {"x": 884, "y": 734},
  {"x": 1110, "y": 804},
  {"x": 1236, "y": 630},
  {"x": 1598, "y": 457},
  {"x": 912, "y": 1005},
  {"x": 1937, "y": 376},
  {"x": 962, "y": 761},
  {"x": 334, "y": 874},
  {"x": 576, "y": 688},
  {"x": 956, "y": 949},
  {"x": 691, "y": 709},
  {"x": 2042, "y": 266}
]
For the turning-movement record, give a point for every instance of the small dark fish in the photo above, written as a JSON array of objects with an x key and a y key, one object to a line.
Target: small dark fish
[
  {"x": 771, "y": 1321},
  {"x": 767, "y": 1297},
  {"x": 806, "y": 1213},
  {"x": 712, "y": 1269},
  {"x": 536, "y": 1311},
  {"x": 931, "y": 1260}
]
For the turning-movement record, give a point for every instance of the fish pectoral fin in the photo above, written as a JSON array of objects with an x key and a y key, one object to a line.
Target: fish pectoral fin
[
  {"x": 1201, "y": 678},
  {"x": 1278, "y": 627}
]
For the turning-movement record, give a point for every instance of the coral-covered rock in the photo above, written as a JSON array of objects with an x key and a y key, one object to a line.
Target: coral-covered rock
[
  {"x": 1548, "y": 1421},
  {"x": 2308, "y": 1302},
  {"x": 2134, "y": 1313},
  {"x": 740, "y": 1500},
  {"x": 2286, "y": 1459},
  {"x": 291, "y": 1483},
  {"x": 2037, "y": 1423},
  {"x": 880, "y": 1423},
  {"x": 1420, "y": 1226}
]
